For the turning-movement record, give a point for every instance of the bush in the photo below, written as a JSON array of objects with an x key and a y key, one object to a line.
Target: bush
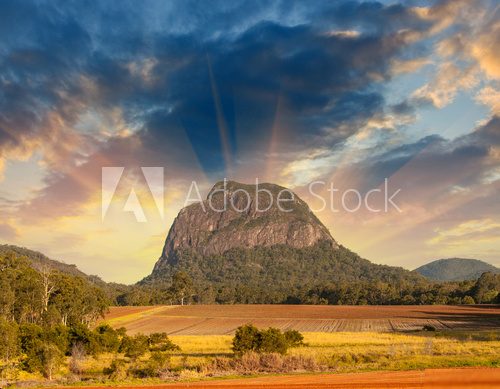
[
  {"x": 159, "y": 341},
  {"x": 294, "y": 338},
  {"x": 80, "y": 334},
  {"x": 77, "y": 357},
  {"x": 272, "y": 340},
  {"x": 107, "y": 338},
  {"x": 118, "y": 370},
  {"x": 428, "y": 327},
  {"x": 134, "y": 346},
  {"x": 468, "y": 300},
  {"x": 157, "y": 363},
  {"x": 248, "y": 338}
]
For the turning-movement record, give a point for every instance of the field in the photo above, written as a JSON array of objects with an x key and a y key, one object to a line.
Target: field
[
  {"x": 380, "y": 360},
  {"x": 224, "y": 319},
  {"x": 384, "y": 345}
]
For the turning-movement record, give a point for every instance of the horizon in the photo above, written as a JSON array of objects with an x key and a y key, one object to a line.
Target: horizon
[{"x": 363, "y": 96}]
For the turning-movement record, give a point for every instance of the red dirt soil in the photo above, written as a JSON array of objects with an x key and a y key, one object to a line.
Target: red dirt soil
[
  {"x": 224, "y": 319},
  {"x": 432, "y": 378}
]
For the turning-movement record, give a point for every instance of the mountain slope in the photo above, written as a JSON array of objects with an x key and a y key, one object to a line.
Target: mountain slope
[
  {"x": 39, "y": 261},
  {"x": 455, "y": 269},
  {"x": 253, "y": 257}
]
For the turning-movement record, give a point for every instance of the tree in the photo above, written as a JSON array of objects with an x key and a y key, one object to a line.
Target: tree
[
  {"x": 51, "y": 359},
  {"x": 486, "y": 288},
  {"x": 182, "y": 286},
  {"x": 48, "y": 287},
  {"x": 9, "y": 340}
]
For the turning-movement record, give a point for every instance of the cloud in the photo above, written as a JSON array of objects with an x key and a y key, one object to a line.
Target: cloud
[
  {"x": 449, "y": 80},
  {"x": 490, "y": 97}
]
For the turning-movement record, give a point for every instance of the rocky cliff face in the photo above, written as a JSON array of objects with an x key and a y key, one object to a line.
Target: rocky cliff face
[{"x": 235, "y": 215}]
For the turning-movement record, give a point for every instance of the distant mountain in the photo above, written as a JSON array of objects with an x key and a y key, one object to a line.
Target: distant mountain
[{"x": 455, "y": 269}]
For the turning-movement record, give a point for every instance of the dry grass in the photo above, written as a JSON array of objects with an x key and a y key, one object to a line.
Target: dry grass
[{"x": 361, "y": 350}]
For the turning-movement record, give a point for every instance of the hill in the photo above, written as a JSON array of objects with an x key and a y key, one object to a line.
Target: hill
[
  {"x": 270, "y": 256},
  {"x": 455, "y": 269},
  {"x": 39, "y": 261}
]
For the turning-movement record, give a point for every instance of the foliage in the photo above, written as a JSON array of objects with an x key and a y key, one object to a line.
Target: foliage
[
  {"x": 9, "y": 340},
  {"x": 246, "y": 338},
  {"x": 134, "y": 346},
  {"x": 159, "y": 342},
  {"x": 294, "y": 338},
  {"x": 250, "y": 339}
]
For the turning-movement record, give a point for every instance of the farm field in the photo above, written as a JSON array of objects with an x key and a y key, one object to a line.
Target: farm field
[{"x": 224, "y": 319}]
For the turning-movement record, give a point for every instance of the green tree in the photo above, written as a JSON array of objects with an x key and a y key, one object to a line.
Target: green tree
[
  {"x": 9, "y": 340},
  {"x": 51, "y": 359},
  {"x": 182, "y": 286}
]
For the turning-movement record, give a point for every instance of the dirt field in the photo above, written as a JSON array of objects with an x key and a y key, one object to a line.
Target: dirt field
[
  {"x": 224, "y": 319},
  {"x": 433, "y": 378}
]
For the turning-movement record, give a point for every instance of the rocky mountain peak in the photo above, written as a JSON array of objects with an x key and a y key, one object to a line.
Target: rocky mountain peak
[{"x": 236, "y": 215}]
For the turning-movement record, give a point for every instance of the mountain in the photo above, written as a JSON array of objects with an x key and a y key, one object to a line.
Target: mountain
[
  {"x": 235, "y": 215},
  {"x": 455, "y": 269},
  {"x": 266, "y": 256}
]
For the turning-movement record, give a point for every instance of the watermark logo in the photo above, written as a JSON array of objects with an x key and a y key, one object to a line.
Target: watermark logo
[
  {"x": 247, "y": 198},
  {"x": 154, "y": 178}
]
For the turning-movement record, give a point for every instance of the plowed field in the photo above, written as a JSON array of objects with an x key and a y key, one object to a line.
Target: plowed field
[{"x": 224, "y": 319}]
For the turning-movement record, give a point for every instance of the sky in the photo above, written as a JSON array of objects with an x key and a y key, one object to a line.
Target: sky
[{"x": 290, "y": 92}]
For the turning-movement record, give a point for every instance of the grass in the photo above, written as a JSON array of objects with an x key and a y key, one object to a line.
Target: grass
[{"x": 364, "y": 351}]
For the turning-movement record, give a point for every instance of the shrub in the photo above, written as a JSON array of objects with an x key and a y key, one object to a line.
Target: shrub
[
  {"x": 159, "y": 341},
  {"x": 79, "y": 333},
  {"x": 157, "y": 363},
  {"x": 107, "y": 338},
  {"x": 428, "y": 327},
  {"x": 77, "y": 357},
  {"x": 468, "y": 300},
  {"x": 247, "y": 338},
  {"x": 294, "y": 338},
  {"x": 272, "y": 340},
  {"x": 118, "y": 370},
  {"x": 134, "y": 346}
]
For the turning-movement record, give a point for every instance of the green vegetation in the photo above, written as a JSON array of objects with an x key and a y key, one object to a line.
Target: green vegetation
[
  {"x": 311, "y": 275},
  {"x": 249, "y": 338},
  {"x": 46, "y": 320}
]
